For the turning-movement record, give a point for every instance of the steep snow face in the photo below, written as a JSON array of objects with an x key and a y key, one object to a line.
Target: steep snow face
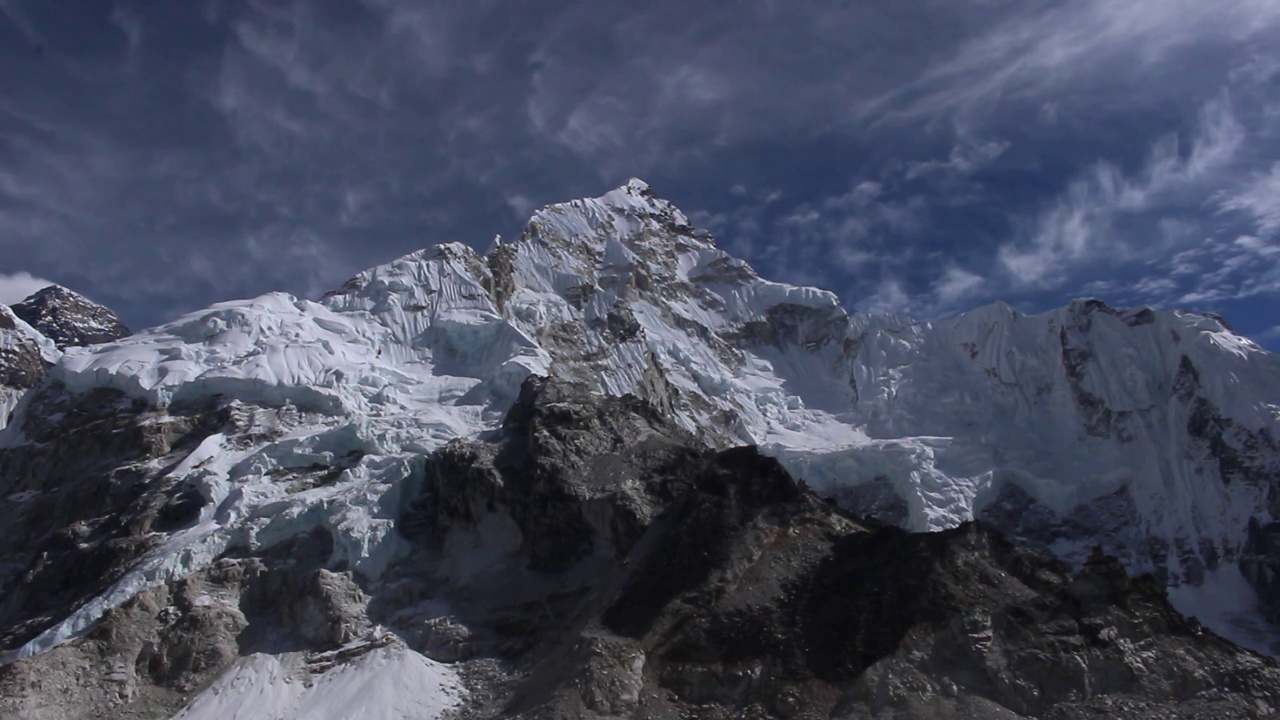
[
  {"x": 1170, "y": 412},
  {"x": 1154, "y": 433},
  {"x": 621, "y": 288}
]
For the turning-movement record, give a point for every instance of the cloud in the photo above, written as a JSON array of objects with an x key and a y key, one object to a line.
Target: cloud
[
  {"x": 967, "y": 157},
  {"x": 16, "y": 287},
  {"x": 889, "y": 296},
  {"x": 130, "y": 23},
  {"x": 1224, "y": 270},
  {"x": 1080, "y": 226},
  {"x": 521, "y": 206},
  {"x": 1043, "y": 48},
  {"x": 953, "y": 289},
  {"x": 957, "y": 284},
  {"x": 1260, "y": 199}
]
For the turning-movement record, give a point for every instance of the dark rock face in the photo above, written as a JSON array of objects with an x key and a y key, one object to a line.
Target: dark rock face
[
  {"x": 70, "y": 319},
  {"x": 146, "y": 657},
  {"x": 85, "y": 497},
  {"x": 21, "y": 366},
  {"x": 697, "y": 583}
]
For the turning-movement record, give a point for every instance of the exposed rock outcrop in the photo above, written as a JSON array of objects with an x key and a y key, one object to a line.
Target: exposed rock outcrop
[{"x": 69, "y": 318}]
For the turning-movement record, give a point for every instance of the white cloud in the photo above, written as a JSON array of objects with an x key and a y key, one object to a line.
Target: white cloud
[
  {"x": 1218, "y": 270},
  {"x": 967, "y": 156},
  {"x": 1035, "y": 53},
  {"x": 521, "y": 206},
  {"x": 890, "y": 296},
  {"x": 953, "y": 290},
  {"x": 1260, "y": 199},
  {"x": 956, "y": 284},
  {"x": 18, "y": 286},
  {"x": 129, "y": 22},
  {"x": 1078, "y": 228}
]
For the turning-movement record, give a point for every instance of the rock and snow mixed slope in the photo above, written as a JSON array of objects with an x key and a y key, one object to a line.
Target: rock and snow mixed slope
[
  {"x": 595, "y": 560},
  {"x": 25, "y": 356},
  {"x": 1153, "y": 433},
  {"x": 68, "y": 318},
  {"x": 34, "y": 332}
]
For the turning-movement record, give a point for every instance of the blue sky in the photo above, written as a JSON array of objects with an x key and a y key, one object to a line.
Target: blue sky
[{"x": 916, "y": 156}]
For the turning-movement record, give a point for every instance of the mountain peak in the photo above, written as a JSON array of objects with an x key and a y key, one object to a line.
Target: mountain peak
[
  {"x": 69, "y": 318},
  {"x": 637, "y": 185}
]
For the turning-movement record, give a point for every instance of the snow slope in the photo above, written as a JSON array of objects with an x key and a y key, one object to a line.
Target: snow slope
[
  {"x": 387, "y": 682},
  {"x": 1153, "y": 432}
]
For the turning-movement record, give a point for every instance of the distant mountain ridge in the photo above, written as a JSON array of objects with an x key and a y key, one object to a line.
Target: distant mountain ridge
[
  {"x": 33, "y": 333},
  {"x": 68, "y": 318}
]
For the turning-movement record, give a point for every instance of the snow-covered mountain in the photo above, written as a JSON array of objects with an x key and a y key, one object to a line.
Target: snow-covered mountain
[{"x": 265, "y": 421}]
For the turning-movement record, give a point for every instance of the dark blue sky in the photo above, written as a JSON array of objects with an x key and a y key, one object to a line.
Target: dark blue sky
[{"x": 919, "y": 156}]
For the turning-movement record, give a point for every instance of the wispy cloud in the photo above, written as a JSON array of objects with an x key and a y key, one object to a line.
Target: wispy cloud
[
  {"x": 18, "y": 286},
  {"x": 1259, "y": 199},
  {"x": 1080, "y": 226},
  {"x": 1045, "y": 47},
  {"x": 957, "y": 284},
  {"x": 1220, "y": 270},
  {"x": 967, "y": 156}
]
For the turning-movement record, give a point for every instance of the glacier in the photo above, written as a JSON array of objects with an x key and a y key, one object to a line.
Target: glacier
[{"x": 1153, "y": 433}]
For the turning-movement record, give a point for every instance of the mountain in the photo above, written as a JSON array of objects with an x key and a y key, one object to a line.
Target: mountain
[
  {"x": 68, "y": 318},
  {"x": 515, "y": 482}
]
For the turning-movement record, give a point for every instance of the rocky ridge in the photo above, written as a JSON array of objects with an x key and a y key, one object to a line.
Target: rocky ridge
[{"x": 590, "y": 558}]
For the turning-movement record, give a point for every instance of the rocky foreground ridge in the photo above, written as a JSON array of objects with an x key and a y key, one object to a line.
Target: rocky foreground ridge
[
  {"x": 562, "y": 479},
  {"x": 592, "y": 559}
]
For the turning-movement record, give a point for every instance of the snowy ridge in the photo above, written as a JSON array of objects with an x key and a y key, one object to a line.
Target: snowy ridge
[
  {"x": 1077, "y": 403},
  {"x": 1170, "y": 411}
]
